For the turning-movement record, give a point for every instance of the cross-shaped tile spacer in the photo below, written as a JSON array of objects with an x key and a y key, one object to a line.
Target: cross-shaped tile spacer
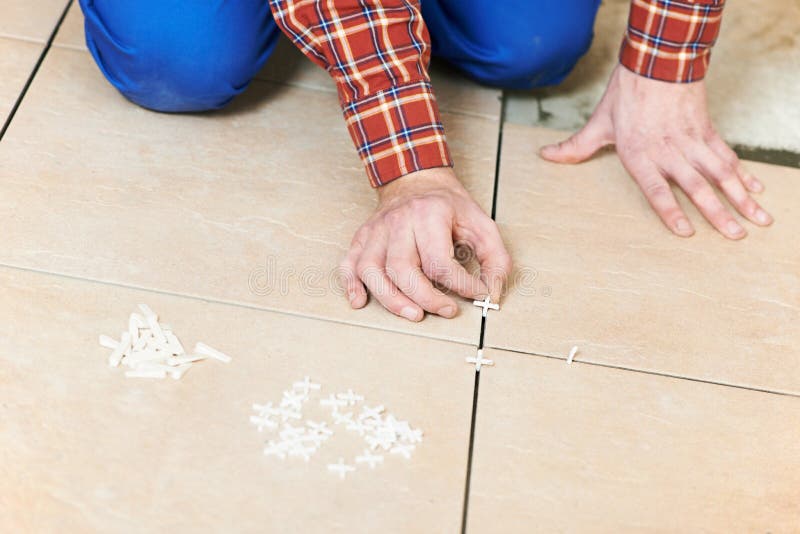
[
  {"x": 370, "y": 459},
  {"x": 404, "y": 449},
  {"x": 479, "y": 360},
  {"x": 349, "y": 397},
  {"x": 371, "y": 413},
  {"x": 305, "y": 385},
  {"x": 341, "y": 468},
  {"x": 486, "y": 304},
  {"x": 332, "y": 402}
]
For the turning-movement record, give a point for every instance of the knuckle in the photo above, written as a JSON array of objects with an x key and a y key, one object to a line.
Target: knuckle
[{"x": 657, "y": 189}]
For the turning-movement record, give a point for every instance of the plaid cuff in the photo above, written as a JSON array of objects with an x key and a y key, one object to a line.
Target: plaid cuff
[
  {"x": 397, "y": 131},
  {"x": 671, "y": 40}
]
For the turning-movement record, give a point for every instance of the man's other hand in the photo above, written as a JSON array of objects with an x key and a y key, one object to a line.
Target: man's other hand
[{"x": 662, "y": 131}]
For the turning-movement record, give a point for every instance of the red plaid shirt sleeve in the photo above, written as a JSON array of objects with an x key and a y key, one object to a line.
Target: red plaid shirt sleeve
[
  {"x": 378, "y": 54},
  {"x": 671, "y": 40}
]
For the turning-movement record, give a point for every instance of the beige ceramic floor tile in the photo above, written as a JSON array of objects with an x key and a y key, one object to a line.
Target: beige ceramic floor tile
[
  {"x": 255, "y": 204},
  {"x": 752, "y": 84},
  {"x": 597, "y": 269},
  {"x": 583, "y": 448},
  {"x": 84, "y": 449},
  {"x": 30, "y": 19},
  {"x": 71, "y": 33},
  {"x": 456, "y": 94},
  {"x": 17, "y": 60}
]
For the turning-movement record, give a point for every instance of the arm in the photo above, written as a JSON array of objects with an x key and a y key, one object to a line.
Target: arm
[
  {"x": 377, "y": 51},
  {"x": 655, "y": 112}
]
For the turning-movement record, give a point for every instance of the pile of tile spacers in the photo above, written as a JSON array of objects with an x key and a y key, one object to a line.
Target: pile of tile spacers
[
  {"x": 381, "y": 432},
  {"x": 151, "y": 350}
]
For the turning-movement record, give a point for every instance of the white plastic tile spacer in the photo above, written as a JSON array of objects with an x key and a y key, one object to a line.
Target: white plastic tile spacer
[
  {"x": 147, "y": 311},
  {"x": 341, "y": 468},
  {"x": 332, "y": 402},
  {"x": 289, "y": 414},
  {"x": 174, "y": 343},
  {"x": 371, "y": 413},
  {"x": 479, "y": 360},
  {"x": 122, "y": 348},
  {"x": 275, "y": 449},
  {"x": 262, "y": 422},
  {"x": 183, "y": 359},
  {"x": 349, "y": 397},
  {"x": 293, "y": 400},
  {"x": 403, "y": 449},
  {"x": 370, "y": 459},
  {"x": 205, "y": 350},
  {"x": 572, "y": 354},
  {"x": 303, "y": 452},
  {"x": 266, "y": 409},
  {"x": 305, "y": 385},
  {"x": 135, "y": 322},
  {"x": 342, "y": 418},
  {"x": 486, "y": 304},
  {"x": 357, "y": 426},
  {"x": 108, "y": 342},
  {"x": 177, "y": 372},
  {"x": 384, "y": 441},
  {"x": 413, "y": 435},
  {"x": 319, "y": 428}
]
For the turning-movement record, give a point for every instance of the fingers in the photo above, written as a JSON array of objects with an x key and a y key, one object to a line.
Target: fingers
[
  {"x": 371, "y": 270},
  {"x": 354, "y": 289},
  {"x": 727, "y": 180},
  {"x": 727, "y": 155},
  {"x": 492, "y": 255},
  {"x": 403, "y": 269},
  {"x": 658, "y": 193},
  {"x": 582, "y": 145},
  {"x": 438, "y": 263},
  {"x": 703, "y": 196}
]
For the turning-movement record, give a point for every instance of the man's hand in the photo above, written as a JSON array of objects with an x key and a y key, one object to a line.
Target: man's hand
[
  {"x": 408, "y": 243},
  {"x": 662, "y": 132}
]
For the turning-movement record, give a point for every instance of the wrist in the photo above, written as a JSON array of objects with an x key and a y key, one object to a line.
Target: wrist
[{"x": 419, "y": 182}]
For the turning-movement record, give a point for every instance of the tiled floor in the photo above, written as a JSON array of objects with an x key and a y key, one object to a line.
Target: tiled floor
[
  {"x": 577, "y": 448},
  {"x": 86, "y": 450},
  {"x": 17, "y": 60},
  {"x": 752, "y": 83},
  {"x": 230, "y": 215},
  {"x": 685, "y": 394},
  {"x": 597, "y": 269},
  {"x": 30, "y": 20}
]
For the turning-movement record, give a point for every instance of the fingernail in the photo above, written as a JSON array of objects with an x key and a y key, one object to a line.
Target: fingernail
[
  {"x": 682, "y": 226},
  {"x": 763, "y": 217},
  {"x": 756, "y": 186},
  {"x": 410, "y": 313},
  {"x": 734, "y": 228},
  {"x": 447, "y": 311}
]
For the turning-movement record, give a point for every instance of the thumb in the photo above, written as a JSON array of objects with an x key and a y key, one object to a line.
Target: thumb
[{"x": 580, "y": 146}]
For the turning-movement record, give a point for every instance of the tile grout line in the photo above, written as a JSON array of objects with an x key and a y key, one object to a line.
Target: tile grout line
[
  {"x": 652, "y": 373},
  {"x": 230, "y": 303},
  {"x": 474, "y": 417},
  {"x": 35, "y": 70}
]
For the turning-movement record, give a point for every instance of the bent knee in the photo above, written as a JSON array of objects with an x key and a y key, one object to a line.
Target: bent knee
[
  {"x": 167, "y": 80},
  {"x": 536, "y": 54},
  {"x": 196, "y": 66}
]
